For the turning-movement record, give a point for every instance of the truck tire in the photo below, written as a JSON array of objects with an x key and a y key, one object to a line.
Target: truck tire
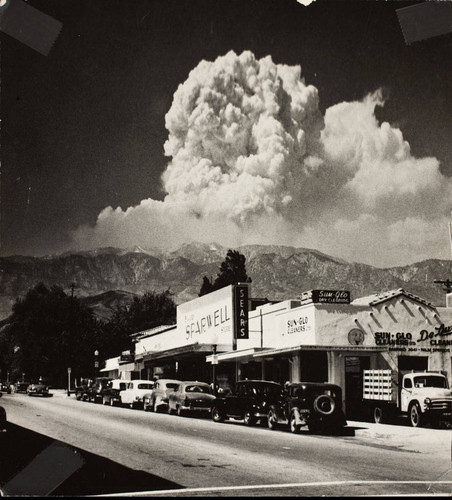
[
  {"x": 415, "y": 414},
  {"x": 379, "y": 415}
]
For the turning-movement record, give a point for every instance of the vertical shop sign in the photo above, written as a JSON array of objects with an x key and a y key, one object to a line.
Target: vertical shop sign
[{"x": 241, "y": 311}]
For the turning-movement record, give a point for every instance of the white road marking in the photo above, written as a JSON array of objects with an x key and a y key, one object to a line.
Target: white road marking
[{"x": 273, "y": 486}]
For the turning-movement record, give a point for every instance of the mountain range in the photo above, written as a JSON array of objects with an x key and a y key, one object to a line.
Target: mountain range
[{"x": 106, "y": 277}]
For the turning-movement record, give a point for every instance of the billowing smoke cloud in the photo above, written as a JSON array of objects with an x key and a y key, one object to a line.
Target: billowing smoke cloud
[{"x": 252, "y": 160}]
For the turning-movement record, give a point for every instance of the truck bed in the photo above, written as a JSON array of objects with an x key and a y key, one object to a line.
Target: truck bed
[{"x": 379, "y": 385}]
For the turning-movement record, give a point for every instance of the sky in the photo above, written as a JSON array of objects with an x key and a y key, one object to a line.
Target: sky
[{"x": 155, "y": 123}]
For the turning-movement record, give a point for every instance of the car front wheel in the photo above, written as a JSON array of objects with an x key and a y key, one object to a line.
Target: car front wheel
[
  {"x": 272, "y": 421},
  {"x": 249, "y": 419},
  {"x": 217, "y": 416},
  {"x": 294, "y": 427}
]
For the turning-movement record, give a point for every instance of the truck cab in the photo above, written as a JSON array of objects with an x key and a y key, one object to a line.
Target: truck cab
[{"x": 425, "y": 396}]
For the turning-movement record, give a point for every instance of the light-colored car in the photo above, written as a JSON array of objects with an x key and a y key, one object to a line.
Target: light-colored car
[
  {"x": 191, "y": 397},
  {"x": 136, "y": 391},
  {"x": 158, "y": 400}
]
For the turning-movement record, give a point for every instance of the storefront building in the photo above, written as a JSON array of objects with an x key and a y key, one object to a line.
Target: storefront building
[
  {"x": 322, "y": 336},
  {"x": 205, "y": 325},
  {"x": 121, "y": 367}
]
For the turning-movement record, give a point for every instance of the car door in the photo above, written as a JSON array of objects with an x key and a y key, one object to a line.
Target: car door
[
  {"x": 126, "y": 396},
  {"x": 238, "y": 400},
  {"x": 175, "y": 397}
]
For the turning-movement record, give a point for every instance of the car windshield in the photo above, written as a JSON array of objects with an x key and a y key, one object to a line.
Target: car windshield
[
  {"x": 271, "y": 390},
  {"x": 145, "y": 386},
  {"x": 198, "y": 388},
  {"x": 172, "y": 386},
  {"x": 430, "y": 381}
]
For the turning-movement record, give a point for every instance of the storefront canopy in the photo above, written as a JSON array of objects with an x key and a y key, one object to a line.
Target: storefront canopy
[
  {"x": 291, "y": 350},
  {"x": 178, "y": 352},
  {"x": 235, "y": 355}
]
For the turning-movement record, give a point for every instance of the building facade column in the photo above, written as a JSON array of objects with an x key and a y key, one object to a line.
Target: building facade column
[{"x": 295, "y": 368}]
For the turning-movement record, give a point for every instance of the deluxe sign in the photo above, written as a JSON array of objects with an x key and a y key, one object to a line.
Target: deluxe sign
[
  {"x": 326, "y": 296},
  {"x": 422, "y": 340},
  {"x": 241, "y": 311}
]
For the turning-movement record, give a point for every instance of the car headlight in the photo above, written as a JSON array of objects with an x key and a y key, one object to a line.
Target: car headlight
[{"x": 427, "y": 401}]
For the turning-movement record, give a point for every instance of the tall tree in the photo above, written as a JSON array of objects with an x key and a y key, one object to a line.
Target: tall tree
[
  {"x": 49, "y": 332},
  {"x": 232, "y": 270},
  {"x": 145, "y": 312}
]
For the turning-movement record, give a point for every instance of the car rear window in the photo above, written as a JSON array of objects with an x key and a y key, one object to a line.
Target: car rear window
[
  {"x": 172, "y": 386},
  {"x": 145, "y": 386},
  {"x": 205, "y": 389}
]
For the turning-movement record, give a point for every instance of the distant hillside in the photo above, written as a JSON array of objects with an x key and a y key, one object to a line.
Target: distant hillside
[{"x": 278, "y": 272}]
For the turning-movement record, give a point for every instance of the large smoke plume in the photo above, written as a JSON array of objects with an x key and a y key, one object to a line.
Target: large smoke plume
[{"x": 252, "y": 160}]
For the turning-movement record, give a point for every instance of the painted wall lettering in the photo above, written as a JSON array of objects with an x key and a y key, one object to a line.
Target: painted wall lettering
[{"x": 241, "y": 311}]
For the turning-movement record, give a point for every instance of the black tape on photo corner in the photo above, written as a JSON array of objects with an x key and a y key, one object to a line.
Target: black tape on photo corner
[
  {"x": 425, "y": 20},
  {"x": 29, "y": 25}
]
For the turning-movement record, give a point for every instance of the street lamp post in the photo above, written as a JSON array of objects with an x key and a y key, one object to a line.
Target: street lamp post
[
  {"x": 96, "y": 362},
  {"x": 214, "y": 368}
]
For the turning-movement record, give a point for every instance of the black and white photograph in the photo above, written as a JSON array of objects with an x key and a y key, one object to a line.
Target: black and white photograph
[{"x": 225, "y": 248}]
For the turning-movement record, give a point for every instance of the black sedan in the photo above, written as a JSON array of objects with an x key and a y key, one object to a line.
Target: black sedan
[{"x": 250, "y": 402}]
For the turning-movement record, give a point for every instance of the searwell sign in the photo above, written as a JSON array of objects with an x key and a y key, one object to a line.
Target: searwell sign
[{"x": 214, "y": 318}]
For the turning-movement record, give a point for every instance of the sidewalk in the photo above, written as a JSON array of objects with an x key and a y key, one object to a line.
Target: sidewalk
[{"x": 402, "y": 436}]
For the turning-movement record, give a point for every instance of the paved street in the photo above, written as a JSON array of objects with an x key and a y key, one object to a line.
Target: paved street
[{"x": 231, "y": 459}]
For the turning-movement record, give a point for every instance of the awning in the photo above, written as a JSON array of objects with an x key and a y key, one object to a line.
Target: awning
[
  {"x": 234, "y": 355},
  {"x": 177, "y": 352},
  {"x": 290, "y": 350},
  {"x": 105, "y": 370}
]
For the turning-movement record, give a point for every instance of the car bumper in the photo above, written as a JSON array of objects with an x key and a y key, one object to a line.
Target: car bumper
[{"x": 195, "y": 408}]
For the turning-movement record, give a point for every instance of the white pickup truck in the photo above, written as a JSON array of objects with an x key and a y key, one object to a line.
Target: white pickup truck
[{"x": 422, "y": 396}]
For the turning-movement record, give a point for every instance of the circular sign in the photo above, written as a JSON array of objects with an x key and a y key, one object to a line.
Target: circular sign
[{"x": 355, "y": 336}]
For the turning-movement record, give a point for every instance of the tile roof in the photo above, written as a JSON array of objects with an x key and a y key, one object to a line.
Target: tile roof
[{"x": 377, "y": 298}]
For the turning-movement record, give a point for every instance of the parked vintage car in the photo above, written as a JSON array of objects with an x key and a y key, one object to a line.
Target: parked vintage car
[
  {"x": 94, "y": 392},
  {"x": 250, "y": 401},
  {"x": 39, "y": 389},
  {"x": 315, "y": 405},
  {"x": 158, "y": 399},
  {"x": 21, "y": 386},
  {"x": 110, "y": 395},
  {"x": 4, "y": 387},
  {"x": 190, "y": 397},
  {"x": 81, "y": 391},
  {"x": 135, "y": 392}
]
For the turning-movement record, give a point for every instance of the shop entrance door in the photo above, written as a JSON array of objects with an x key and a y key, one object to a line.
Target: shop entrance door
[
  {"x": 314, "y": 366},
  {"x": 354, "y": 366}
]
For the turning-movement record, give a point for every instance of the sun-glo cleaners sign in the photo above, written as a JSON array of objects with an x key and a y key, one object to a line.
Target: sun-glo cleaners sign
[
  {"x": 326, "y": 296},
  {"x": 241, "y": 311}
]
